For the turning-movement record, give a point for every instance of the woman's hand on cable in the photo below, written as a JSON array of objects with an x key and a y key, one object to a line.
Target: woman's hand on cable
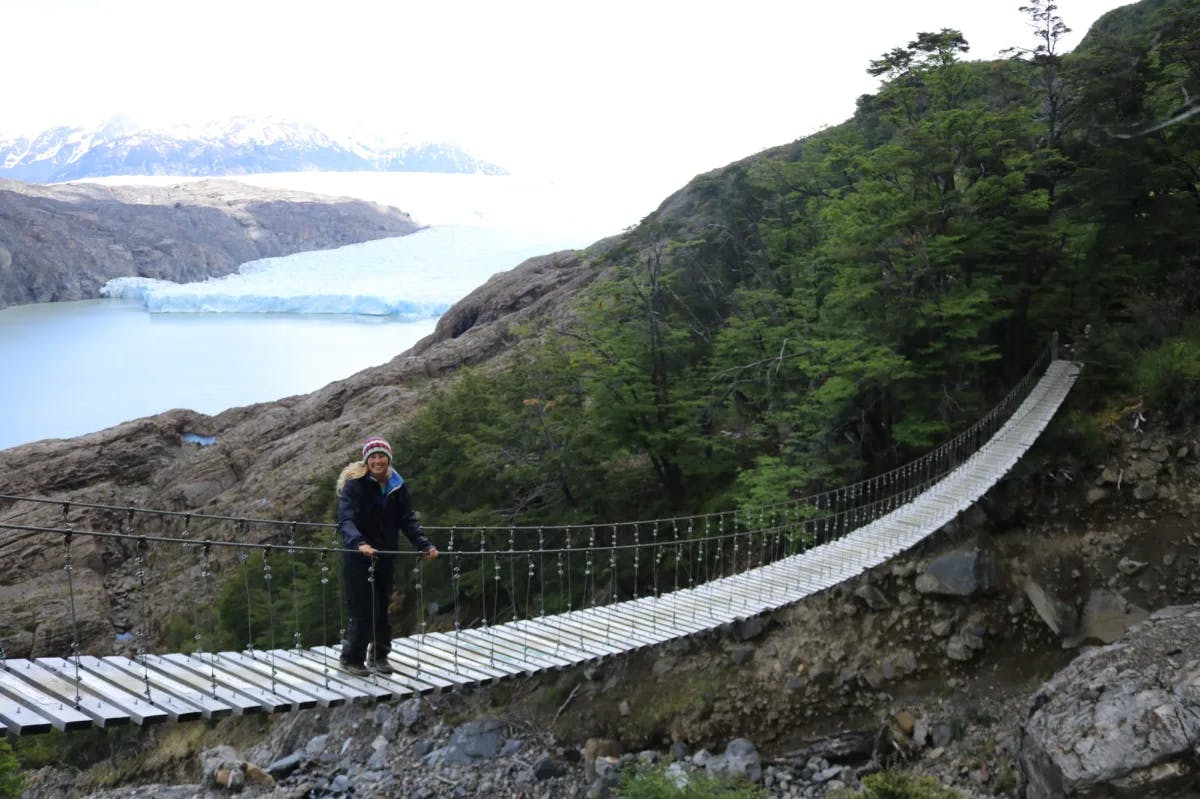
[
  {"x": 367, "y": 549},
  {"x": 431, "y": 553}
]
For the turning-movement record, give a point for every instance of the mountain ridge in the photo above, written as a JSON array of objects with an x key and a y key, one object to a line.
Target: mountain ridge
[{"x": 239, "y": 146}]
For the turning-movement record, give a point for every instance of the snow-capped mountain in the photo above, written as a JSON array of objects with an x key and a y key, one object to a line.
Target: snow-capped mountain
[{"x": 237, "y": 147}]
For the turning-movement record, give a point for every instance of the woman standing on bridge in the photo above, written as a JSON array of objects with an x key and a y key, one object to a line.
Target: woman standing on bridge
[{"x": 373, "y": 507}]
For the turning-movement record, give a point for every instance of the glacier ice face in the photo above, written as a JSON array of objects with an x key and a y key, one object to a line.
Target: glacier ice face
[{"x": 412, "y": 277}]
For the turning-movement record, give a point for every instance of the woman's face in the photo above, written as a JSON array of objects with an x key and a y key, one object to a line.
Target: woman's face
[{"x": 377, "y": 465}]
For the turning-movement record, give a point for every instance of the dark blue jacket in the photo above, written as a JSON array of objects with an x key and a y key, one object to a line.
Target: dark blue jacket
[{"x": 375, "y": 514}]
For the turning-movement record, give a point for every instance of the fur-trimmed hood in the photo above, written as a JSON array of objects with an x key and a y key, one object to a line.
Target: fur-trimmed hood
[
  {"x": 353, "y": 471},
  {"x": 357, "y": 469}
]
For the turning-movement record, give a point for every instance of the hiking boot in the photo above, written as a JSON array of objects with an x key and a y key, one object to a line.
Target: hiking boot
[
  {"x": 357, "y": 669},
  {"x": 382, "y": 667}
]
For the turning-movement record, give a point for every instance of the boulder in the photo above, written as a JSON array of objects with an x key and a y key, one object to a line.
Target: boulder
[
  {"x": 1059, "y": 614},
  {"x": 1121, "y": 720},
  {"x": 471, "y": 742},
  {"x": 1107, "y": 615},
  {"x": 961, "y": 573},
  {"x": 739, "y": 760}
]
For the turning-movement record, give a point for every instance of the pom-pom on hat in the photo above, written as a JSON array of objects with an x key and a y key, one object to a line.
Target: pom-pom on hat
[{"x": 376, "y": 444}]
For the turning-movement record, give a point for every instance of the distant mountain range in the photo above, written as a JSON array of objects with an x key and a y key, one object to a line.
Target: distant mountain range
[{"x": 240, "y": 146}]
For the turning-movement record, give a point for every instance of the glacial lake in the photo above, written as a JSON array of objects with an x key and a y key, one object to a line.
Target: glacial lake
[{"x": 77, "y": 367}]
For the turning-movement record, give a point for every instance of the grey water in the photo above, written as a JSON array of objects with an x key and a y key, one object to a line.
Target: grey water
[{"x": 72, "y": 368}]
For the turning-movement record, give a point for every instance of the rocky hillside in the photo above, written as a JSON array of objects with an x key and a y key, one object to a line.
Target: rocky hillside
[
  {"x": 65, "y": 242},
  {"x": 1044, "y": 645}
]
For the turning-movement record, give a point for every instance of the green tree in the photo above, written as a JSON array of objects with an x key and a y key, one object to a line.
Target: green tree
[
  {"x": 1048, "y": 30},
  {"x": 1131, "y": 202},
  {"x": 642, "y": 347}
]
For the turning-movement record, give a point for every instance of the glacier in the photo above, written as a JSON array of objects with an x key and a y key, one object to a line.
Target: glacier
[{"x": 408, "y": 278}]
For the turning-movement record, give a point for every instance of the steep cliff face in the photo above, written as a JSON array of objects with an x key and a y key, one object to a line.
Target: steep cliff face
[{"x": 65, "y": 242}]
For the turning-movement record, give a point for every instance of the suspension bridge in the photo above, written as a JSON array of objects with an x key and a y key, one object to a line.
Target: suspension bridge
[{"x": 546, "y": 598}]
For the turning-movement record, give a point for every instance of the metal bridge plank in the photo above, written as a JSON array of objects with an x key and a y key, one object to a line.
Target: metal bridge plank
[
  {"x": 103, "y": 714},
  {"x": 238, "y": 702},
  {"x": 134, "y": 707},
  {"x": 461, "y": 646},
  {"x": 800, "y": 571},
  {"x": 402, "y": 680},
  {"x": 41, "y": 704},
  {"x": 587, "y": 639},
  {"x": 283, "y": 680},
  {"x": 727, "y": 601},
  {"x": 708, "y": 608},
  {"x": 526, "y": 636},
  {"x": 111, "y": 666},
  {"x": 622, "y": 622},
  {"x": 523, "y": 647},
  {"x": 596, "y": 638},
  {"x": 758, "y": 591},
  {"x": 614, "y": 627},
  {"x": 566, "y": 637},
  {"x": 462, "y": 649},
  {"x": 424, "y": 657},
  {"x": 19, "y": 719},
  {"x": 408, "y": 668},
  {"x": 555, "y": 630},
  {"x": 544, "y": 631},
  {"x": 772, "y": 589},
  {"x": 522, "y": 639},
  {"x": 781, "y": 580},
  {"x": 650, "y": 619},
  {"x": 426, "y": 669},
  {"x": 648, "y": 622},
  {"x": 273, "y": 698},
  {"x": 324, "y": 672},
  {"x": 498, "y": 665},
  {"x": 162, "y": 701}
]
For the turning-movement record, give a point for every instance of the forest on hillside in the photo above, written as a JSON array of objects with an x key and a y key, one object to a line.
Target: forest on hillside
[{"x": 839, "y": 305}]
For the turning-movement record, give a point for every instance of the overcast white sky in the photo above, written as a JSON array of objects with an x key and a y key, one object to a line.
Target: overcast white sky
[{"x": 670, "y": 87}]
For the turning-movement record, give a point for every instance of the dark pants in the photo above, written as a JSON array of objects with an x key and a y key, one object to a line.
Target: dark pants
[{"x": 368, "y": 602}]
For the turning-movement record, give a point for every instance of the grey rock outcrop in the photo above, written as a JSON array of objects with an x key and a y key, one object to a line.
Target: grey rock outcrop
[
  {"x": 1121, "y": 720},
  {"x": 65, "y": 242}
]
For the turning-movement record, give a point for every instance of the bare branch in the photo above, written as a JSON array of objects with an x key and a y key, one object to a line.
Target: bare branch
[{"x": 1188, "y": 111}]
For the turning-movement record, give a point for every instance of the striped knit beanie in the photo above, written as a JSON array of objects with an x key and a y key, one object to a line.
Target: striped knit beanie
[{"x": 376, "y": 444}]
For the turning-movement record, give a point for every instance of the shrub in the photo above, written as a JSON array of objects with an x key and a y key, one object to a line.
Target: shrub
[
  {"x": 12, "y": 779},
  {"x": 1169, "y": 375},
  {"x": 901, "y": 785},
  {"x": 656, "y": 783}
]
